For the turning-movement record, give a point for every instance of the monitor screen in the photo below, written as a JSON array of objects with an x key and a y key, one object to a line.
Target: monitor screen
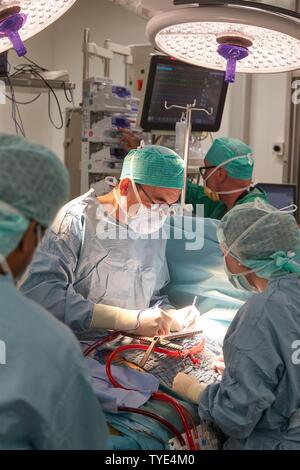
[
  {"x": 280, "y": 195},
  {"x": 179, "y": 83}
]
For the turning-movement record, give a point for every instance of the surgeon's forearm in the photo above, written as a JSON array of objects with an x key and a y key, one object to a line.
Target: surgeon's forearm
[{"x": 108, "y": 317}]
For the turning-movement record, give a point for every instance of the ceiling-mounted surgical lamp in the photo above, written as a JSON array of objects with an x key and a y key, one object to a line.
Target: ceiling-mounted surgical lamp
[
  {"x": 22, "y": 19},
  {"x": 242, "y": 36}
]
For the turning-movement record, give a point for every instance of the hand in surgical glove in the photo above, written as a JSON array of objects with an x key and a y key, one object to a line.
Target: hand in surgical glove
[
  {"x": 184, "y": 317},
  {"x": 188, "y": 387},
  {"x": 150, "y": 322},
  {"x": 154, "y": 322},
  {"x": 219, "y": 364}
]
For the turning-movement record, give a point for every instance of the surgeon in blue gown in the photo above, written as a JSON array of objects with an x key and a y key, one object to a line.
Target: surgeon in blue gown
[
  {"x": 102, "y": 263},
  {"x": 46, "y": 399},
  {"x": 257, "y": 403}
]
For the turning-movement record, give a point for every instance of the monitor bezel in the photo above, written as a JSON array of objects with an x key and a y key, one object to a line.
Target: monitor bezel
[
  {"x": 282, "y": 185},
  {"x": 156, "y": 126}
]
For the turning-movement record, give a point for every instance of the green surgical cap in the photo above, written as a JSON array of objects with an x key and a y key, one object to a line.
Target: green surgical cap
[
  {"x": 34, "y": 182},
  {"x": 155, "y": 165},
  {"x": 224, "y": 149},
  {"x": 262, "y": 238}
]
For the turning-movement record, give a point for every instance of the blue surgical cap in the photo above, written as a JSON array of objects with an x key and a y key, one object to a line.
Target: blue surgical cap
[
  {"x": 34, "y": 184},
  {"x": 262, "y": 238},
  {"x": 224, "y": 149},
  {"x": 155, "y": 165}
]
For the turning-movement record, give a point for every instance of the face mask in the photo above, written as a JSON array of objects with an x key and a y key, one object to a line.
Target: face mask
[
  {"x": 148, "y": 221},
  {"x": 211, "y": 194},
  {"x": 215, "y": 195},
  {"x": 145, "y": 221},
  {"x": 239, "y": 281}
]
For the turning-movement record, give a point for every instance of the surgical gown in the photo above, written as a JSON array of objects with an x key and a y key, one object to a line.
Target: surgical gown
[
  {"x": 216, "y": 210},
  {"x": 46, "y": 399},
  {"x": 82, "y": 262},
  {"x": 257, "y": 403}
]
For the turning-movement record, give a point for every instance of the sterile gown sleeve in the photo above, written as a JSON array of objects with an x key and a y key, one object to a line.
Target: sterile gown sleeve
[
  {"x": 253, "y": 369},
  {"x": 51, "y": 276},
  {"x": 78, "y": 422}
]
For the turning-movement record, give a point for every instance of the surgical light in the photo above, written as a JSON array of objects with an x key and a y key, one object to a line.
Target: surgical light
[
  {"x": 233, "y": 36},
  {"x": 22, "y": 19}
]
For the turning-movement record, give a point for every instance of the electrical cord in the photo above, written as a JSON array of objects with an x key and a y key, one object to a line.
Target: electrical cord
[
  {"x": 24, "y": 102},
  {"x": 36, "y": 70},
  {"x": 16, "y": 115}
]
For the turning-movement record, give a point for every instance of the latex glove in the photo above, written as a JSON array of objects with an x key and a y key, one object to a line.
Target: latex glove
[
  {"x": 219, "y": 364},
  {"x": 188, "y": 387},
  {"x": 152, "y": 321},
  {"x": 184, "y": 317}
]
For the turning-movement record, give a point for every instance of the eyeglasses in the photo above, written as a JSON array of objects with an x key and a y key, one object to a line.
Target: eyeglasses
[
  {"x": 150, "y": 199},
  {"x": 203, "y": 170}
]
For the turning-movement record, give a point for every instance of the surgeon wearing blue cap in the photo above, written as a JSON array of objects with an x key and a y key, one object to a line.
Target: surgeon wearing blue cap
[
  {"x": 227, "y": 176},
  {"x": 102, "y": 263},
  {"x": 46, "y": 399}
]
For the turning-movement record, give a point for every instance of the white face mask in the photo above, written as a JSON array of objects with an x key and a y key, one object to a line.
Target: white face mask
[{"x": 146, "y": 220}]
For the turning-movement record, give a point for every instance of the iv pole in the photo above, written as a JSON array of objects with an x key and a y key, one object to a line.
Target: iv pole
[{"x": 189, "y": 108}]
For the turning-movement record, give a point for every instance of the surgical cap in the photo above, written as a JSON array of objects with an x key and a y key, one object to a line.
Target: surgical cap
[
  {"x": 262, "y": 238},
  {"x": 155, "y": 165},
  {"x": 34, "y": 184},
  {"x": 224, "y": 149}
]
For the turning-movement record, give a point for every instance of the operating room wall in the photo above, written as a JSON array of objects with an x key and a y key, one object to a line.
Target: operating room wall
[
  {"x": 105, "y": 20},
  {"x": 34, "y": 116},
  {"x": 59, "y": 47}
]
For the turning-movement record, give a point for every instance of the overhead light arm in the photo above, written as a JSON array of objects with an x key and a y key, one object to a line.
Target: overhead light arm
[{"x": 242, "y": 3}]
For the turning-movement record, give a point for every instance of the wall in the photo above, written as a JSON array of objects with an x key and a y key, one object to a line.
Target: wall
[
  {"x": 59, "y": 47},
  {"x": 267, "y": 125},
  {"x": 34, "y": 116}
]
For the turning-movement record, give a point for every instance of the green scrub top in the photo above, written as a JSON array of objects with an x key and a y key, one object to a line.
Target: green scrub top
[{"x": 216, "y": 210}]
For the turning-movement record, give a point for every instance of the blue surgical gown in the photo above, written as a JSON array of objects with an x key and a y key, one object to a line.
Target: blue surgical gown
[
  {"x": 257, "y": 403},
  {"x": 46, "y": 399},
  {"x": 81, "y": 262}
]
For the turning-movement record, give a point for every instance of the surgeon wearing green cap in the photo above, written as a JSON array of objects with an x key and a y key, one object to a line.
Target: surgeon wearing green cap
[
  {"x": 102, "y": 264},
  {"x": 46, "y": 399},
  {"x": 227, "y": 177}
]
